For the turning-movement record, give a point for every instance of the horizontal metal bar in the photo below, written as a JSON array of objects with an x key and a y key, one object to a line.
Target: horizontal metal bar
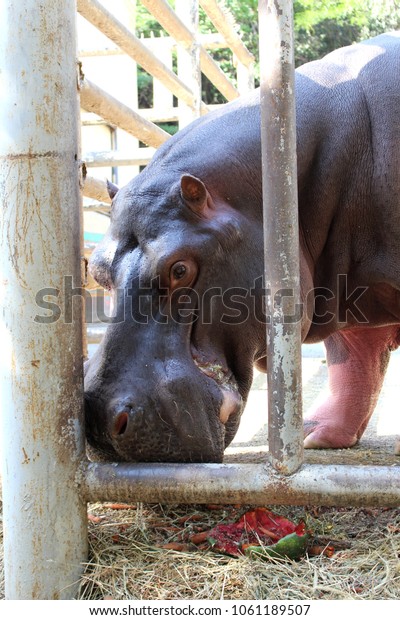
[
  {"x": 326, "y": 485},
  {"x": 164, "y": 115},
  {"x": 95, "y": 333},
  {"x": 141, "y": 157},
  {"x": 209, "y": 40}
]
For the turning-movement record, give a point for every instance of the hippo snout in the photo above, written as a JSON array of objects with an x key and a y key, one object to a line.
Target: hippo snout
[
  {"x": 153, "y": 427},
  {"x": 158, "y": 408}
]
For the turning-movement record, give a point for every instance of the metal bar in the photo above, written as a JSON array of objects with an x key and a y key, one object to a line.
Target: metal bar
[
  {"x": 326, "y": 485},
  {"x": 174, "y": 26},
  {"x": 159, "y": 114},
  {"x": 209, "y": 40},
  {"x": 117, "y": 158},
  {"x": 96, "y": 189},
  {"x": 102, "y": 209},
  {"x": 281, "y": 236},
  {"x": 245, "y": 78},
  {"x": 155, "y": 115},
  {"x": 95, "y": 333},
  {"x": 45, "y": 538},
  {"x": 95, "y": 99},
  {"x": 225, "y": 24},
  {"x": 105, "y": 21},
  {"x": 189, "y": 59}
]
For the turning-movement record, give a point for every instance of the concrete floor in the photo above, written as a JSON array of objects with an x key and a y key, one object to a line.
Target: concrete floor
[{"x": 377, "y": 443}]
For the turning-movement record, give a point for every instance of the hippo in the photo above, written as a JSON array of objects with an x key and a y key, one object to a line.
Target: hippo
[{"x": 183, "y": 259}]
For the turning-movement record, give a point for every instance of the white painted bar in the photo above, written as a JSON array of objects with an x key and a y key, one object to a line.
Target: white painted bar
[
  {"x": 189, "y": 60},
  {"x": 140, "y": 157},
  {"x": 45, "y": 540},
  {"x": 95, "y": 99},
  {"x": 96, "y": 189}
]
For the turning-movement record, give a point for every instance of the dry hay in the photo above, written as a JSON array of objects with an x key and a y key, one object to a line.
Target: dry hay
[{"x": 128, "y": 559}]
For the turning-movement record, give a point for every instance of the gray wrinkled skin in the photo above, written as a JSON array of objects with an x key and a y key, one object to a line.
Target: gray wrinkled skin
[{"x": 173, "y": 390}]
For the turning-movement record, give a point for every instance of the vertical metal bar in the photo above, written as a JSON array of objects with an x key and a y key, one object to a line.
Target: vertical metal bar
[
  {"x": 41, "y": 359},
  {"x": 245, "y": 78},
  {"x": 281, "y": 237},
  {"x": 189, "y": 60}
]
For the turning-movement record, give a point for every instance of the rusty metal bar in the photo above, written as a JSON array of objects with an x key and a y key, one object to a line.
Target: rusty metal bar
[
  {"x": 105, "y": 21},
  {"x": 95, "y": 99},
  {"x": 45, "y": 520},
  {"x": 168, "y": 19},
  {"x": 281, "y": 236},
  {"x": 326, "y": 485}
]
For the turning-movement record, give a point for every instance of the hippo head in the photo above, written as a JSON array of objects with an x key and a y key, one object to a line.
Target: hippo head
[{"x": 171, "y": 376}]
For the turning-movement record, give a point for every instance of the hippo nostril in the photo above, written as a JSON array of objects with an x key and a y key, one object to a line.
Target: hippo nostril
[{"x": 121, "y": 423}]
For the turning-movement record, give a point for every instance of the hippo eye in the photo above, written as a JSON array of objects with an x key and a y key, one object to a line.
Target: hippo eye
[
  {"x": 182, "y": 274},
  {"x": 178, "y": 271}
]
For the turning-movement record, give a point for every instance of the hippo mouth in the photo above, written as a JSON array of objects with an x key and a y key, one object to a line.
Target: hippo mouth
[{"x": 232, "y": 402}]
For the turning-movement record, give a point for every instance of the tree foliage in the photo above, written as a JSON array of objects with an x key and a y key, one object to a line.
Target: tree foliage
[
  {"x": 324, "y": 25},
  {"x": 320, "y": 26}
]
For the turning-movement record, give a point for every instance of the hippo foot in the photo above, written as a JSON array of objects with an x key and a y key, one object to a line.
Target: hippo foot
[{"x": 319, "y": 434}]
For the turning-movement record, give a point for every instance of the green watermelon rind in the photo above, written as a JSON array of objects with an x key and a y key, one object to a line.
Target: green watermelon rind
[{"x": 291, "y": 546}]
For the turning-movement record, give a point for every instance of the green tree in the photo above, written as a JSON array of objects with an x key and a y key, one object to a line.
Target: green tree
[
  {"x": 324, "y": 25},
  {"x": 320, "y": 26}
]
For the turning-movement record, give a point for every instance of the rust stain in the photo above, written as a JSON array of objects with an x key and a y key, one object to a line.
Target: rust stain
[
  {"x": 29, "y": 155},
  {"x": 26, "y": 460}
]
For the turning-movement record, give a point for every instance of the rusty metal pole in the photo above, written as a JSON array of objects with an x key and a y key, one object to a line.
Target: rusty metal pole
[
  {"x": 281, "y": 236},
  {"x": 325, "y": 485},
  {"x": 45, "y": 539}
]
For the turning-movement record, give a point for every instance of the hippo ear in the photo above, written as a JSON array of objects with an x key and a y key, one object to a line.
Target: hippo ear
[
  {"x": 194, "y": 193},
  {"x": 112, "y": 189}
]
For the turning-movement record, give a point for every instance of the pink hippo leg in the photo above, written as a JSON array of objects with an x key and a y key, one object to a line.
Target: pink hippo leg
[{"x": 357, "y": 361}]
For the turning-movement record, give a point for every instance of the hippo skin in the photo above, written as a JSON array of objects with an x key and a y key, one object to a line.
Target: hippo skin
[{"x": 184, "y": 253}]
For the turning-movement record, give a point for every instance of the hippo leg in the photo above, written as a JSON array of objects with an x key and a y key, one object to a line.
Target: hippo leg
[{"x": 357, "y": 361}]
